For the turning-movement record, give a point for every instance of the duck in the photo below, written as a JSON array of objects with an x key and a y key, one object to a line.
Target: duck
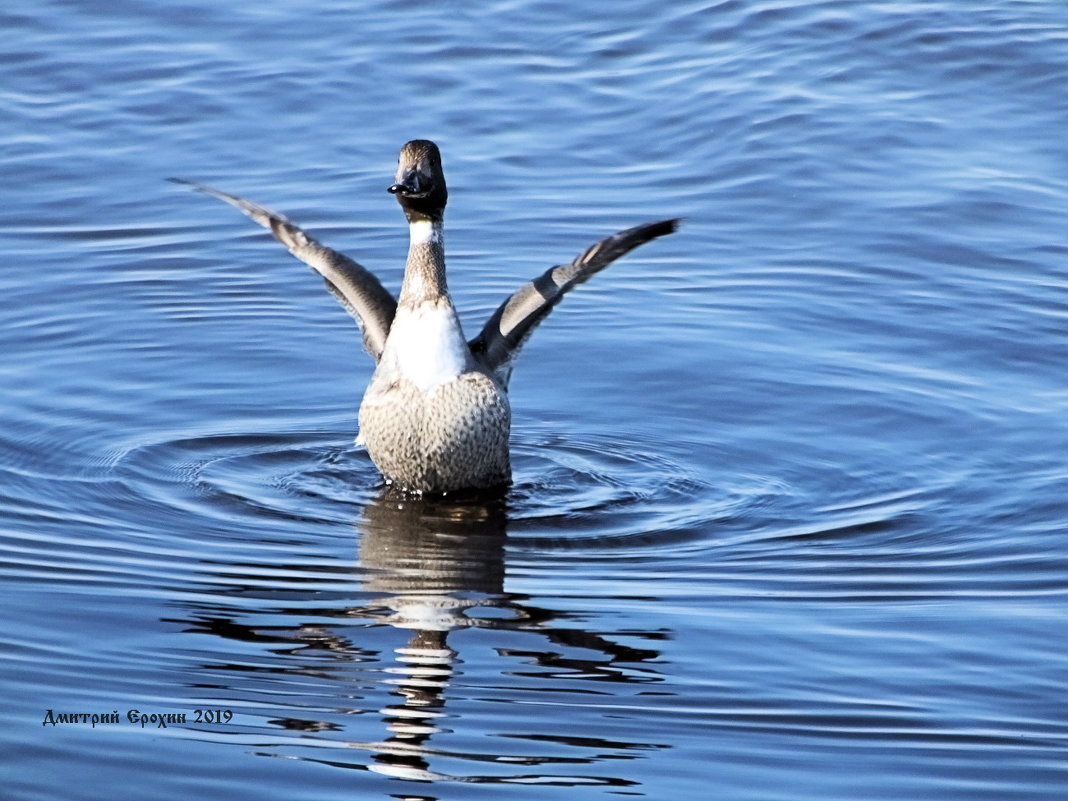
[{"x": 435, "y": 417}]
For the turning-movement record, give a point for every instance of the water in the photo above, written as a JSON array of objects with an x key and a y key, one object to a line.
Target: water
[{"x": 790, "y": 499}]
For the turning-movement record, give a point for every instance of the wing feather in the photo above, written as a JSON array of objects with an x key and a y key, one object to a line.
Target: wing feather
[
  {"x": 515, "y": 320},
  {"x": 358, "y": 290}
]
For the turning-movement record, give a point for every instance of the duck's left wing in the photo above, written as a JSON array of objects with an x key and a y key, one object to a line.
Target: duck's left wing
[
  {"x": 514, "y": 321},
  {"x": 353, "y": 285}
]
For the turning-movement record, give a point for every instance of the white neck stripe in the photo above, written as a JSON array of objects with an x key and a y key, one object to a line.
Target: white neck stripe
[{"x": 424, "y": 231}]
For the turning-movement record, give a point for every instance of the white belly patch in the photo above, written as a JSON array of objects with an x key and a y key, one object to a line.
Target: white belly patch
[{"x": 427, "y": 345}]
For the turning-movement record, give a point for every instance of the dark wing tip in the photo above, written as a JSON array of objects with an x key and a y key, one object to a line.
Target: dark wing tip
[
  {"x": 627, "y": 240},
  {"x": 190, "y": 184},
  {"x": 202, "y": 188},
  {"x": 664, "y": 227}
]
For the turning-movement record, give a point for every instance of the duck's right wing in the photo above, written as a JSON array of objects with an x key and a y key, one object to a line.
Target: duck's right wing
[
  {"x": 356, "y": 287},
  {"x": 516, "y": 318}
]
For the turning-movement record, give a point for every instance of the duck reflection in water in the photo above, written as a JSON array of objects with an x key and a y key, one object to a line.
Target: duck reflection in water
[
  {"x": 432, "y": 566},
  {"x": 434, "y": 561},
  {"x": 441, "y": 565}
]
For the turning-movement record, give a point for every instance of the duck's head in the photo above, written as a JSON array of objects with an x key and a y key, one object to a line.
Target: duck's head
[{"x": 420, "y": 183}]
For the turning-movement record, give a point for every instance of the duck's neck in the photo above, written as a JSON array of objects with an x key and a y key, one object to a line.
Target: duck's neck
[{"x": 424, "y": 276}]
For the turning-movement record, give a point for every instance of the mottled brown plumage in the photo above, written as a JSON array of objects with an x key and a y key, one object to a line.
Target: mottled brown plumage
[{"x": 453, "y": 436}]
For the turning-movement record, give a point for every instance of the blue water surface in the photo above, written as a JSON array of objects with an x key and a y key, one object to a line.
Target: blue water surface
[{"x": 789, "y": 512}]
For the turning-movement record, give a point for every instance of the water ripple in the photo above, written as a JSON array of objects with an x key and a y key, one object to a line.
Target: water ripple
[
  {"x": 789, "y": 495},
  {"x": 568, "y": 493}
]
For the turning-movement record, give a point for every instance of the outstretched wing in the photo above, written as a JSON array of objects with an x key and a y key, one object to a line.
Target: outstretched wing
[
  {"x": 357, "y": 288},
  {"x": 506, "y": 331}
]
